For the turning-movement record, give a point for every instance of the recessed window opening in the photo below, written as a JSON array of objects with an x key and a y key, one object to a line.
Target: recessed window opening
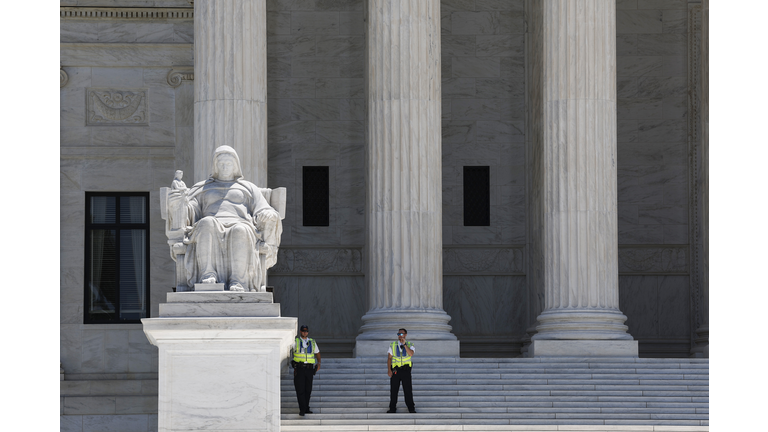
[
  {"x": 315, "y": 196},
  {"x": 477, "y": 196},
  {"x": 116, "y": 257}
]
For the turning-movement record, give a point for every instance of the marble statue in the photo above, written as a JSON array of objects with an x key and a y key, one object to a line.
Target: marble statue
[
  {"x": 231, "y": 233},
  {"x": 178, "y": 219},
  {"x": 178, "y": 183}
]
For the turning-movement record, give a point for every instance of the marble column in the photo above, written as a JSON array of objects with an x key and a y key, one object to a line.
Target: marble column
[
  {"x": 404, "y": 271},
  {"x": 573, "y": 179},
  {"x": 231, "y": 84},
  {"x": 701, "y": 346}
]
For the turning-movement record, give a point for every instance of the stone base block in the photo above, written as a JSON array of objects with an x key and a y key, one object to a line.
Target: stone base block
[
  {"x": 209, "y": 287},
  {"x": 583, "y": 348},
  {"x": 220, "y": 374},
  {"x": 424, "y": 348},
  {"x": 219, "y": 309},
  {"x": 219, "y": 297}
]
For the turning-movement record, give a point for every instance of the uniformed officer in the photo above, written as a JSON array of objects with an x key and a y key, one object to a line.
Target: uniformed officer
[
  {"x": 306, "y": 362},
  {"x": 399, "y": 369}
]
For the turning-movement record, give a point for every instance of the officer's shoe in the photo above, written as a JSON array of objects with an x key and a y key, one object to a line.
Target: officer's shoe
[
  {"x": 412, "y": 410},
  {"x": 392, "y": 410},
  {"x": 301, "y": 413},
  {"x": 309, "y": 412}
]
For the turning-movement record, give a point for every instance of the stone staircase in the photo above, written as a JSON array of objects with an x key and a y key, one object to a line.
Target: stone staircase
[{"x": 502, "y": 394}]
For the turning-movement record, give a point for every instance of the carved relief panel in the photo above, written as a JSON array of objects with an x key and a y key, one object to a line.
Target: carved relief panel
[{"x": 116, "y": 107}]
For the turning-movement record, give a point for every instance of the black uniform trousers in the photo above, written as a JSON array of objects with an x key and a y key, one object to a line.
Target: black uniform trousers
[
  {"x": 302, "y": 382},
  {"x": 401, "y": 375}
]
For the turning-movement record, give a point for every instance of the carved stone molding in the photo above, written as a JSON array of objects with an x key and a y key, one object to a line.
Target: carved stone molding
[
  {"x": 344, "y": 261},
  {"x": 63, "y": 77},
  {"x": 116, "y": 107},
  {"x": 483, "y": 261},
  {"x": 176, "y": 76},
  {"x": 125, "y": 13},
  {"x": 694, "y": 158},
  {"x": 651, "y": 260}
]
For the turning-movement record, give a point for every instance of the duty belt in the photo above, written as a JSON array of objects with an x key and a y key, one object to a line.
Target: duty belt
[{"x": 305, "y": 365}]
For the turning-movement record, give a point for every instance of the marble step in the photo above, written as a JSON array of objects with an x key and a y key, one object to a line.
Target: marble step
[
  {"x": 681, "y": 360},
  {"x": 357, "y": 401},
  {"x": 478, "y": 390},
  {"x": 542, "y": 419},
  {"x": 458, "y": 393},
  {"x": 444, "y": 376},
  {"x": 502, "y": 410},
  {"x": 520, "y": 402},
  {"x": 448, "y": 377},
  {"x": 380, "y": 384},
  {"x": 383, "y": 415},
  {"x": 516, "y": 427},
  {"x": 341, "y": 368}
]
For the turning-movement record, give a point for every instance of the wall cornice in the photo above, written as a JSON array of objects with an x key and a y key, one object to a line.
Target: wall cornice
[{"x": 126, "y": 13}]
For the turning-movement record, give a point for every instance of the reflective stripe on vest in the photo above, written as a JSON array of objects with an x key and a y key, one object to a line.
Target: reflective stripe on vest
[
  {"x": 400, "y": 357},
  {"x": 304, "y": 357}
]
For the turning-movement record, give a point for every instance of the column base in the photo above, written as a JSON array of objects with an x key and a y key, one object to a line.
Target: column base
[
  {"x": 582, "y": 324},
  {"x": 424, "y": 348},
  {"x": 583, "y": 348},
  {"x": 427, "y": 329}
]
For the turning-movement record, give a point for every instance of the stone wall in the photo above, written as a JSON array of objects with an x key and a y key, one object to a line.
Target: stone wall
[
  {"x": 653, "y": 169},
  {"x": 118, "y": 156},
  {"x": 315, "y": 86},
  {"x": 483, "y": 109}
]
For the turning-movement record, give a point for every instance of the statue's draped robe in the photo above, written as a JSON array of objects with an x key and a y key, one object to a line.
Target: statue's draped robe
[{"x": 219, "y": 209}]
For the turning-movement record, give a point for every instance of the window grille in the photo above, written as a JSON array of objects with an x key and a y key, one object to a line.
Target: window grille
[{"x": 116, "y": 257}]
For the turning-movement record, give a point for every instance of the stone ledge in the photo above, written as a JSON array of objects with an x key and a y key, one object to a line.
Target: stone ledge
[
  {"x": 219, "y": 310},
  {"x": 219, "y": 297},
  {"x": 578, "y": 348},
  {"x": 126, "y": 13}
]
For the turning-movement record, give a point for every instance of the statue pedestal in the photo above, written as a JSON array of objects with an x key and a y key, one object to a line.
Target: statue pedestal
[{"x": 220, "y": 358}]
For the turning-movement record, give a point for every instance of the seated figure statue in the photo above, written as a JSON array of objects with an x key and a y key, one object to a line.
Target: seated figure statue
[{"x": 232, "y": 233}]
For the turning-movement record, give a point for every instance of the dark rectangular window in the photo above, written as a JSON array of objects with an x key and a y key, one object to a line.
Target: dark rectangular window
[
  {"x": 116, "y": 257},
  {"x": 315, "y": 196},
  {"x": 477, "y": 196}
]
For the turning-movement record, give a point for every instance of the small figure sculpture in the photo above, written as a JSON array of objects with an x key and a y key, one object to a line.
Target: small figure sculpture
[
  {"x": 179, "y": 216},
  {"x": 177, "y": 183},
  {"x": 235, "y": 233}
]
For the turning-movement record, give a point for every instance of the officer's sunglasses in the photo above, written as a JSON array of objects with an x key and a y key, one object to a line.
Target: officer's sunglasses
[
  {"x": 305, "y": 331},
  {"x": 401, "y": 334}
]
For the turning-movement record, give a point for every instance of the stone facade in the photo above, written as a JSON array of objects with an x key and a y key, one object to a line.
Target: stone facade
[{"x": 316, "y": 115}]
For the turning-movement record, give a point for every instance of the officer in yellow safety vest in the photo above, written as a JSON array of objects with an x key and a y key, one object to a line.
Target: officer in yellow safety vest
[
  {"x": 399, "y": 369},
  {"x": 306, "y": 362}
]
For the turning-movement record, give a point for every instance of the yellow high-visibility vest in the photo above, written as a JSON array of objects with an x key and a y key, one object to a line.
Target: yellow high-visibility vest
[
  {"x": 304, "y": 357},
  {"x": 401, "y": 357}
]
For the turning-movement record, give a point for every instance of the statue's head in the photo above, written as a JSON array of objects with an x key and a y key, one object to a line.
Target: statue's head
[
  {"x": 226, "y": 164},
  {"x": 178, "y": 175}
]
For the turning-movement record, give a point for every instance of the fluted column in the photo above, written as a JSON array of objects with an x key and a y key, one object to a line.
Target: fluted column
[
  {"x": 701, "y": 347},
  {"x": 404, "y": 182},
  {"x": 231, "y": 84},
  {"x": 574, "y": 179}
]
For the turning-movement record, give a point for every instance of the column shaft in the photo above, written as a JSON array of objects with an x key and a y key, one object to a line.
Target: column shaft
[
  {"x": 231, "y": 84},
  {"x": 573, "y": 170},
  {"x": 404, "y": 183}
]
